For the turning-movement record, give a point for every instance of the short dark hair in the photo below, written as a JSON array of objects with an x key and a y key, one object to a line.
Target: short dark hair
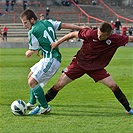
[
  {"x": 29, "y": 14},
  {"x": 41, "y": 15},
  {"x": 105, "y": 27}
]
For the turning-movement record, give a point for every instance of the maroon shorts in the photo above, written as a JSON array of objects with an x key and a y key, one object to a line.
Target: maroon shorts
[{"x": 74, "y": 71}]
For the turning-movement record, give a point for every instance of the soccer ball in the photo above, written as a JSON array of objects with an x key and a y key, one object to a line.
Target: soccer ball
[{"x": 19, "y": 107}]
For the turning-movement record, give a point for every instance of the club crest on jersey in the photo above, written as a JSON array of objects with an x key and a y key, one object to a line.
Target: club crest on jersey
[{"x": 108, "y": 42}]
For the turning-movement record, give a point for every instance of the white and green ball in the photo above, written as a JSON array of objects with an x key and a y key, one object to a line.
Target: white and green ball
[{"x": 19, "y": 107}]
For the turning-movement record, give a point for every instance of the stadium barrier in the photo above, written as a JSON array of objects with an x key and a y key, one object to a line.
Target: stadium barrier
[
  {"x": 127, "y": 20},
  {"x": 11, "y": 16},
  {"x": 62, "y": 16},
  {"x": 89, "y": 17}
]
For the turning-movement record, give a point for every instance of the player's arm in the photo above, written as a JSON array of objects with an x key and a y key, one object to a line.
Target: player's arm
[
  {"x": 28, "y": 53},
  {"x": 71, "y": 26},
  {"x": 64, "y": 38},
  {"x": 130, "y": 39}
]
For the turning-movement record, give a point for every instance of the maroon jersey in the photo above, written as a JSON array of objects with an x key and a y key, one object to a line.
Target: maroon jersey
[{"x": 95, "y": 54}]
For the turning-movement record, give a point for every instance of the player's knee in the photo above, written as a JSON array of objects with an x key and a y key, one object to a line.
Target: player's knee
[
  {"x": 31, "y": 84},
  {"x": 58, "y": 86},
  {"x": 113, "y": 87}
]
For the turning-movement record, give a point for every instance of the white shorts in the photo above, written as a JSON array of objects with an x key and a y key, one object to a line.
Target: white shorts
[{"x": 44, "y": 70}]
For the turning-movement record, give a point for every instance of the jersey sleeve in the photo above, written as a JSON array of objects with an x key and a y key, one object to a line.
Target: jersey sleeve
[
  {"x": 121, "y": 40},
  {"x": 56, "y": 24},
  {"x": 33, "y": 42},
  {"x": 84, "y": 33}
]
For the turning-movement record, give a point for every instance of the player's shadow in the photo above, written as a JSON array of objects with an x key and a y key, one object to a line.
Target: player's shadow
[
  {"x": 89, "y": 114},
  {"x": 75, "y": 110},
  {"x": 86, "y": 110}
]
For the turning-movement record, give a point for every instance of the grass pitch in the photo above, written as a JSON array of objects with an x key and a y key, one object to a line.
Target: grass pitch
[{"x": 81, "y": 107}]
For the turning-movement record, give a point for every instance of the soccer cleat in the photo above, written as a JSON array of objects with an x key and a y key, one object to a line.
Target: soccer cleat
[
  {"x": 30, "y": 106},
  {"x": 130, "y": 112},
  {"x": 40, "y": 110}
]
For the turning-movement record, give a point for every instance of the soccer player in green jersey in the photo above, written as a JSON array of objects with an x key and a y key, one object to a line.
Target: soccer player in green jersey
[{"x": 41, "y": 34}]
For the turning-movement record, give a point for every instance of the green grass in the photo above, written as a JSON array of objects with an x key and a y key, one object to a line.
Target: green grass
[{"x": 81, "y": 107}]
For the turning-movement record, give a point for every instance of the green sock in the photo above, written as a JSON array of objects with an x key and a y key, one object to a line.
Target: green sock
[
  {"x": 32, "y": 97},
  {"x": 39, "y": 94}
]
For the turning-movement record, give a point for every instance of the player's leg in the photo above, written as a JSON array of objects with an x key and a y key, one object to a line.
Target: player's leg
[
  {"x": 32, "y": 101},
  {"x": 39, "y": 95},
  {"x": 2, "y": 36},
  {"x": 104, "y": 77},
  {"x": 38, "y": 92},
  {"x": 72, "y": 72},
  {"x": 51, "y": 93},
  {"x": 108, "y": 81},
  {"x": 43, "y": 73},
  {"x": 6, "y": 37}
]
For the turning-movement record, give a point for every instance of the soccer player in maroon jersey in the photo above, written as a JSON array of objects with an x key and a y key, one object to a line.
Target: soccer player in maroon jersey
[{"x": 98, "y": 48}]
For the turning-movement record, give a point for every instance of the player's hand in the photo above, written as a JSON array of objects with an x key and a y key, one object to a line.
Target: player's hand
[
  {"x": 28, "y": 53},
  {"x": 54, "y": 45}
]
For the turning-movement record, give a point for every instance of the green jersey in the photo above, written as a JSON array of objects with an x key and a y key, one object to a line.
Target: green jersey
[{"x": 42, "y": 35}]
